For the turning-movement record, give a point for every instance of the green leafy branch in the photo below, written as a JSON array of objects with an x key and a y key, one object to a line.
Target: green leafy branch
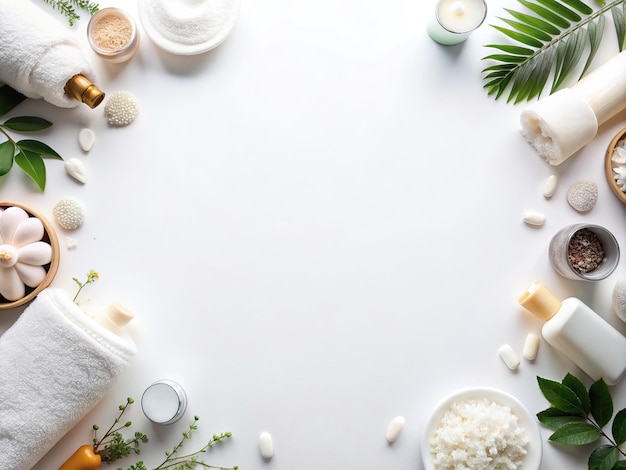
[
  {"x": 27, "y": 154},
  {"x": 114, "y": 445},
  {"x": 569, "y": 418},
  {"x": 66, "y": 7},
  {"x": 175, "y": 461},
  {"x": 551, "y": 38}
]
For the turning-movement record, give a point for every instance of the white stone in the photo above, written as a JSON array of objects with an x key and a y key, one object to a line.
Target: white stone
[
  {"x": 266, "y": 445},
  {"x": 534, "y": 218},
  {"x": 76, "y": 169},
  {"x": 86, "y": 139},
  {"x": 395, "y": 428}
]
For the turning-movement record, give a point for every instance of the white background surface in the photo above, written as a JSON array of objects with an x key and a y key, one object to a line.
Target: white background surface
[{"x": 319, "y": 227}]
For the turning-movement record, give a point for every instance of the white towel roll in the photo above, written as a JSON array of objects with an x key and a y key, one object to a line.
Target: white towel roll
[
  {"x": 56, "y": 364},
  {"x": 38, "y": 55}
]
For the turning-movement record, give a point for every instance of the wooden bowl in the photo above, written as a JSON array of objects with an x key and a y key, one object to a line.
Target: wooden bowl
[
  {"x": 608, "y": 166},
  {"x": 51, "y": 268}
]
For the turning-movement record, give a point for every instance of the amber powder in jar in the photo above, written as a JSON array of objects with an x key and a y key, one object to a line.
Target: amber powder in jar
[{"x": 113, "y": 35}]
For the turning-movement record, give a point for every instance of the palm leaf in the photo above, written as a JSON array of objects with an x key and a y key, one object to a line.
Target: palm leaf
[{"x": 550, "y": 39}]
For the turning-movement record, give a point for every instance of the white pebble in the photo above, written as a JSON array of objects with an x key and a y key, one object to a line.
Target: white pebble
[
  {"x": 69, "y": 213},
  {"x": 71, "y": 243},
  {"x": 509, "y": 356},
  {"x": 121, "y": 108},
  {"x": 534, "y": 218},
  {"x": 531, "y": 347},
  {"x": 583, "y": 195},
  {"x": 266, "y": 445},
  {"x": 76, "y": 169},
  {"x": 549, "y": 186},
  {"x": 619, "y": 299},
  {"x": 395, "y": 428},
  {"x": 86, "y": 139}
]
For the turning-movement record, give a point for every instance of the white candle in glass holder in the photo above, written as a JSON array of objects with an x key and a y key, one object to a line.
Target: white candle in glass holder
[{"x": 454, "y": 20}]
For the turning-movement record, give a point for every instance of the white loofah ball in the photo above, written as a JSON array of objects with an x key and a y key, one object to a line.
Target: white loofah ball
[
  {"x": 121, "y": 108},
  {"x": 69, "y": 213},
  {"x": 619, "y": 299}
]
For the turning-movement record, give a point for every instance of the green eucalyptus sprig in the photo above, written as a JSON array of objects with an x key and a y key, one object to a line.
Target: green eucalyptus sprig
[
  {"x": 175, "y": 461},
  {"x": 66, "y": 7},
  {"x": 27, "y": 154},
  {"x": 113, "y": 445},
  {"x": 578, "y": 417}
]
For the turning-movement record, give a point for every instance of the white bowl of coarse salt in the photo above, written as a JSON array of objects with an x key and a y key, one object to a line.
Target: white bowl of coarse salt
[{"x": 481, "y": 428}]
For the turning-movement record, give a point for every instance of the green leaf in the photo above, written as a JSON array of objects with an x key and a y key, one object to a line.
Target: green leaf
[
  {"x": 580, "y": 6},
  {"x": 575, "y": 434},
  {"x": 529, "y": 30},
  {"x": 32, "y": 164},
  {"x": 546, "y": 14},
  {"x": 39, "y": 148},
  {"x": 595, "y": 31},
  {"x": 516, "y": 50},
  {"x": 7, "y": 151},
  {"x": 554, "y": 419},
  {"x": 619, "y": 427},
  {"x": 601, "y": 403},
  {"x": 561, "y": 397},
  {"x": 9, "y": 99},
  {"x": 519, "y": 37},
  {"x": 603, "y": 458},
  {"x": 568, "y": 54},
  {"x": 574, "y": 384},
  {"x": 621, "y": 465},
  {"x": 533, "y": 21},
  {"x": 619, "y": 21},
  {"x": 561, "y": 10},
  {"x": 27, "y": 124}
]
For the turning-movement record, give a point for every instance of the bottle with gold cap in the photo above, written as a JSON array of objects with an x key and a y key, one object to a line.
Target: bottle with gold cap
[
  {"x": 41, "y": 58},
  {"x": 578, "y": 332}
]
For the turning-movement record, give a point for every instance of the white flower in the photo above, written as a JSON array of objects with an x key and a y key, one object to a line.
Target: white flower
[{"x": 22, "y": 253}]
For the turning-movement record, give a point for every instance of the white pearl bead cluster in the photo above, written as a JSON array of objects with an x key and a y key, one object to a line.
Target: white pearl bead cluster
[
  {"x": 121, "y": 108},
  {"x": 69, "y": 213}
]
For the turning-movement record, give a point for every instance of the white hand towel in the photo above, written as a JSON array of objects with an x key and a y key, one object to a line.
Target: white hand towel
[
  {"x": 56, "y": 364},
  {"x": 38, "y": 55}
]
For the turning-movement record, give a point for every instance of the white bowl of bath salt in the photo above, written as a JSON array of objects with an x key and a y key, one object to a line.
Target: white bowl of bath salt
[
  {"x": 188, "y": 27},
  {"x": 481, "y": 428}
]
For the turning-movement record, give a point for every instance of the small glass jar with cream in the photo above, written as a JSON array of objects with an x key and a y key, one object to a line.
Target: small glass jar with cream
[{"x": 113, "y": 35}]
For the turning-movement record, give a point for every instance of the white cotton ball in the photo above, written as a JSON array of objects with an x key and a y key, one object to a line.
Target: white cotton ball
[{"x": 619, "y": 299}]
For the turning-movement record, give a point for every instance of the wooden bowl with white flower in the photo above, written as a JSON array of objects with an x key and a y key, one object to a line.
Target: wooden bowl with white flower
[
  {"x": 615, "y": 165},
  {"x": 29, "y": 254}
]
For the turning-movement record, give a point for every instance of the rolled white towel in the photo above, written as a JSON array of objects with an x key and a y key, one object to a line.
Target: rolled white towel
[
  {"x": 56, "y": 364},
  {"x": 38, "y": 55}
]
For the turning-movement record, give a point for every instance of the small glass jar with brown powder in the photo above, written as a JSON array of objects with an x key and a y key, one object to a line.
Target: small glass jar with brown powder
[{"x": 113, "y": 35}]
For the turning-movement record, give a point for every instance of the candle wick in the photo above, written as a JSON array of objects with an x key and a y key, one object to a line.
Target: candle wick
[{"x": 458, "y": 8}]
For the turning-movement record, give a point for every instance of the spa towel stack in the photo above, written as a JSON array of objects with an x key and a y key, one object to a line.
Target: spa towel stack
[
  {"x": 38, "y": 54},
  {"x": 56, "y": 364}
]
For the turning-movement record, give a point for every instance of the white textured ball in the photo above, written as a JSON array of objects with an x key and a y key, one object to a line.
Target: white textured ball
[
  {"x": 619, "y": 299},
  {"x": 69, "y": 213},
  {"x": 121, "y": 108},
  {"x": 583, "y": 195}
]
